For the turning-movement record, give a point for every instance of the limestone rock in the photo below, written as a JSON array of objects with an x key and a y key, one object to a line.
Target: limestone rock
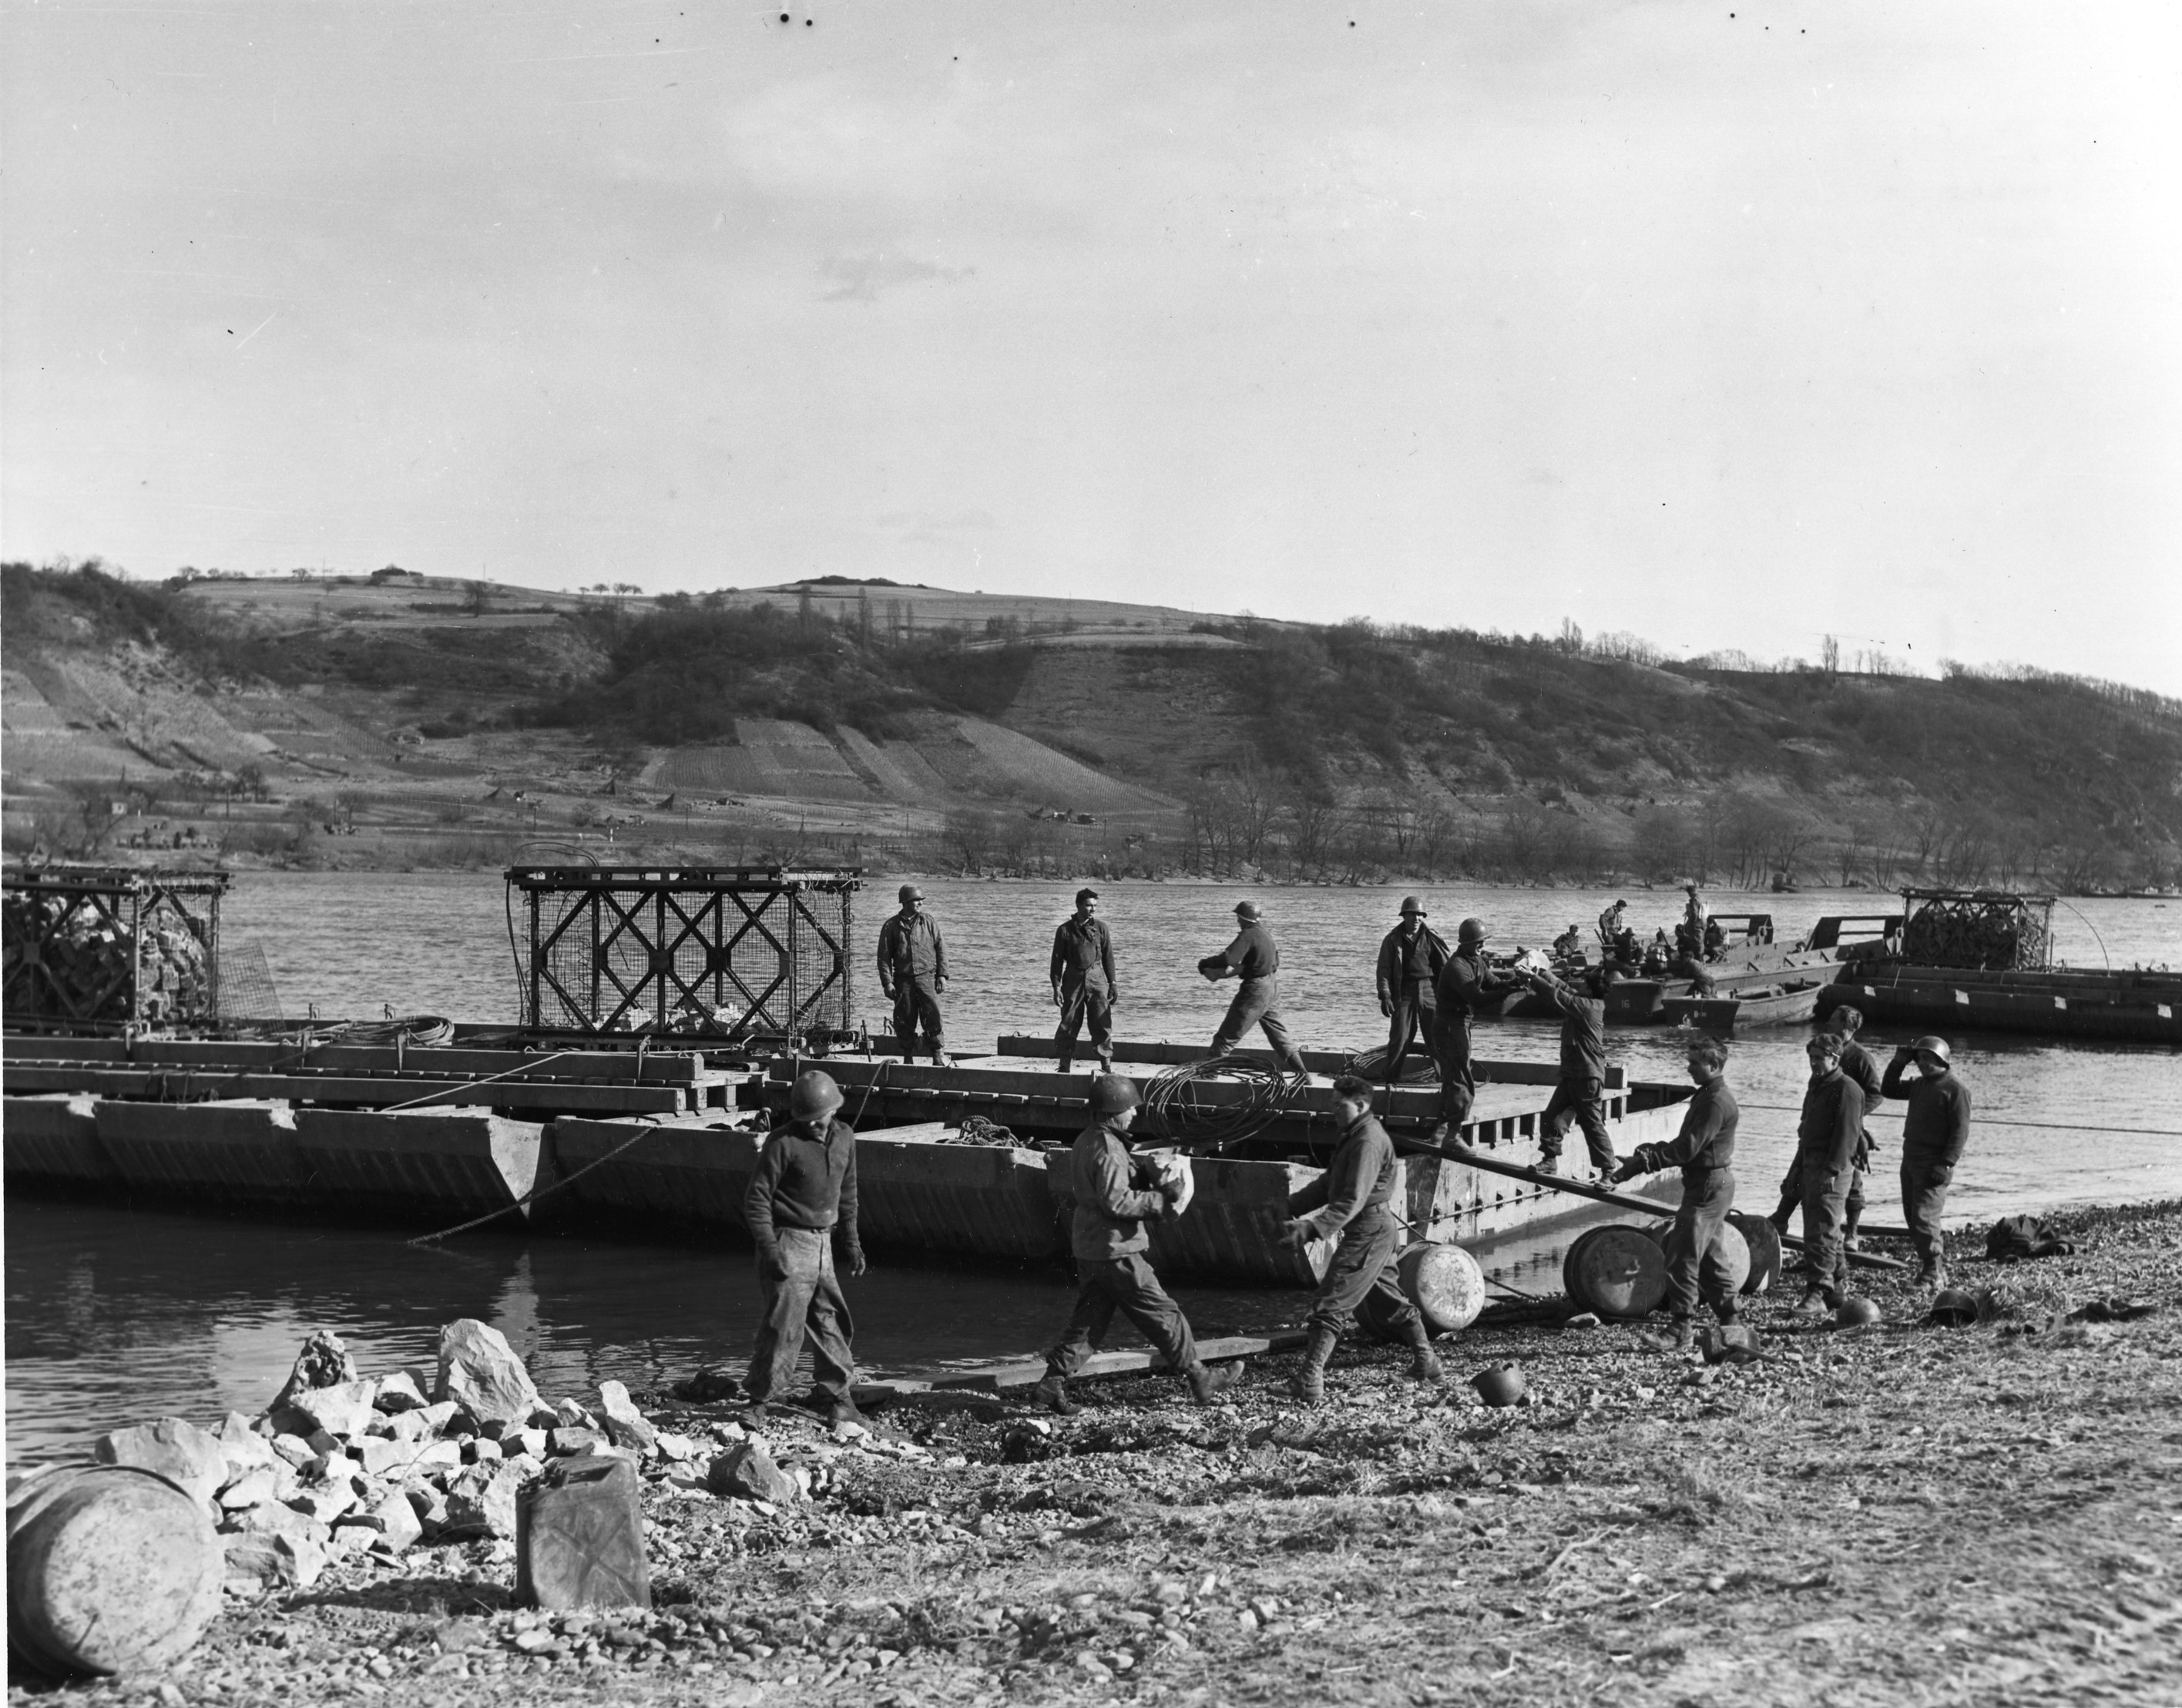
[
  {"x": 184, "y": 1455},
  {"x": 429, "y": 1504},
  {"x": 277, "y": 1561},
  {"x": 518, "y": 1442},
  {"x": 325, "y": 1503},
  {"x": 569, "y": 1439},
  {"x": 481, "y": 1501},
  {"x": 342, "y": 1410},
  {"x": 572, "y": 1413},
  {"x": 324, "y": 1363},
  {"x": 480, "y": 1371},
  {"x": 628, "y": 1426},
  {"x": 295, "y": 1450},
  {"x": 406, "y": 1426},
  {"x": 385, "y": 1457},
  {"x": 439, "y": 1414},
  {"x": 255, "y": 1487},
  {"x": 392, "y": 1522},
  {"x": 402, "y": 1392},
  {"x": 276, "y": 1517},
  {"x": 748, "y": 1472}
]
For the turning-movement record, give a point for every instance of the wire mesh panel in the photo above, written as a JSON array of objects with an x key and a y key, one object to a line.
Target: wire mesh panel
[
  {"x": 108, "y": 946},
  {"x": 739, "y": 949},
  {"x": 247, "y": 990}
]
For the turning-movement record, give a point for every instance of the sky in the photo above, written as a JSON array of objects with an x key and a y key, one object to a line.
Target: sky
[{"x": 1727, "y": 326}]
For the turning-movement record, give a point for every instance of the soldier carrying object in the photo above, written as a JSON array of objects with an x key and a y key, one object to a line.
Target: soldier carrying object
[
  {"x": 1411, "y": 959},
  {"x": 1466, "y": 984},
  {"x": 1253, "y": 959},
  {"x": 1084, "y": 986},
  {"x": 1826, "y": 1139},
  {"x": 1933, "y": 1134},
  {"x": 1856, "y": 1063},
  {"x": 1113, "y": 1194},
  {"x": 1579, "y": 1095},
  {"x": 802, "y": 1198},
  {"x": 913, "y": 972},
  {"x": 1704, "y": 1151},
  {"x": 1569, "y": 945},
  {"x": 1353, "y": 1199}
]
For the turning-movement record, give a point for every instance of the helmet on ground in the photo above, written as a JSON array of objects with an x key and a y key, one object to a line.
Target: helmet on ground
[
  {"x": 1954, "y": 1308},
  {"x": 1855, "y": 1311},
  {"x": 813, "y": 1096},
  {"x": 910, "y": 893},
  {"x": 1471, "y": 931},
  {"x": 1410, "y": 904},
  {"x": 1498, "y": 1384},
  {"x": 1937, "y": 1045},
  {"x": 1112, "y": 1093},
  {"x": 1249, "y": 911}
]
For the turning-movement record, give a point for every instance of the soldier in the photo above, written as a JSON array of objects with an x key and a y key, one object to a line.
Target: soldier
[
  {"x": 1411, "y": 957},
  {"x": 1466, "y": 984},
  {"x": 1610, "y": 922},
  {"x": 1826, "y": 1139},
  {"x": 913, "y": 972},
  {"x": 1856, "y": 1063},
  {"x": 1933, "y": 1134},
  {"x": 1353, "y": 1199},
  {"x": 1579, "y": 1095},
  {"x": 1704, "y": 1151},
  {"x": 1114, "y": 1195},
  {"x": 1252, "y": 958},
  {"x": 1083, "y": 983},
  {"x": 802, "y": 1198}
]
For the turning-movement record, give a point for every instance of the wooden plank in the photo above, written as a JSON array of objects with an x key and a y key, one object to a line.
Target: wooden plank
[
  {"x": 1004, "y": 1373},
  {"x": 182, "y": 1086},
  {"x": 208, "y": 1055},
  {"x": 1164, "y": 1054}
]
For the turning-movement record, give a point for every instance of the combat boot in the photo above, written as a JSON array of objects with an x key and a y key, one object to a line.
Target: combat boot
[
  {"x": 1105, "y": 1062},
  {"x": 754, "y": 1414},
  {"x": 1067, "y": 1062},
  {"x": 1052, "y": 1393},
  {"x": 1933, "y": 1275},
  {"x": 1309, "y": 1382},
  {"x": 1207, "y": 1380},
  {"x": 1678, "y": 1336},
  {"x": 1812, "y": 1307},
  {"x": 1424, "y": 1363},
  {"x": 843, "y": 1411}
]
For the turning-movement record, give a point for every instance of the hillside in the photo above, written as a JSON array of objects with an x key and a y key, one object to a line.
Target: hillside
[{"x": 423, "y": 720}]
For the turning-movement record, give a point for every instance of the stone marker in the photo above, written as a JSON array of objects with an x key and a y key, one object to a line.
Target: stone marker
[
  {"x": 628, "y": 1426},
  {"x": 182, "y": 1453},
  {"x": 480, "y": 1371},
  {"x": 747, "y": 1472},
  {"x": 579, "y": 1537}
]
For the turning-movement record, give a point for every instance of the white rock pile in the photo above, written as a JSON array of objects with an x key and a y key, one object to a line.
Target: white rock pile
[{"x": 342, "y": 1465}]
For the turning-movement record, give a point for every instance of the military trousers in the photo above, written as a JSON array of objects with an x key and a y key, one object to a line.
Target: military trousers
[
  {"x": 1364, "y": 1263},
  {"x": 1458, "y": 1085},
  {"x": 1826, "y": 1214},
  {"x": 1256, "y": 1003},
  {"x": 1412, "y": 1015},
  {"x": 1578, "y": 1103},
  {"x": 1126, "y": 1284},
  {"x": 799, "y": 1293},
  {"x": 1924, "y": 1182},
  {"x": 1084, "y": 1003},
  {"x": 1695, "y": 1267},
  {"x": 916, "y": 1005}
]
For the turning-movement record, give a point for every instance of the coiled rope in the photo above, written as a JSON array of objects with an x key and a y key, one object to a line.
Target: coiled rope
[{"x": 1174, "y": 1101}]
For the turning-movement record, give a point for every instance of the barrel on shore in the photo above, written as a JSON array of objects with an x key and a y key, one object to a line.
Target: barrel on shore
[
  {"x": 1617, "y": 1270},
  {"x": 110, "y": 1569}
]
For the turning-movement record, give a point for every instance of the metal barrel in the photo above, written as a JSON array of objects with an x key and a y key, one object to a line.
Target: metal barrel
[
  {"x": 1617, "y": 1270},
  {"x": 110, "y": 1569},
  {"x": 1444, "y": 1283}
]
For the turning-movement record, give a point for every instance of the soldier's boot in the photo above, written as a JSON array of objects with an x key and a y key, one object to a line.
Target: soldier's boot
[
  {"x": 1812, "y": 1305},
  {"x": 1052, "y": 1393},
  {"x": 1424, "y": 1363},
  {"x": 1932, "y": 1274},
  {"x": 1067, "y": 1061},
  {"x": 940, "y": 1058},
  {"x": 845, "y": 1411},
  {"x": 1850, "y": 1218},
  {"x": 754, "y": 1414},
  {"x": 1309, "y": 1382},
  {"x": 1106, "y": 1061},
  {"x": 1678, "y": 1336},
  {"x": 1207, "y": 1381}
]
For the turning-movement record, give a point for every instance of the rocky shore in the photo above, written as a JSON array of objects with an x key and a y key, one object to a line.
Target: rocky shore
[{"x": 1905, "y": 1512}]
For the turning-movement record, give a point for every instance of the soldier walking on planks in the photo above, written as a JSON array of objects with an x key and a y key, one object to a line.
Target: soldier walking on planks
[
  {"x": 1252, "y": 958},
  {"x": 1084, "y": 987},
  {"x": 1856, "y": 1063},
  {"x": 1466, "y": 984},
  {"x": 913, "y": 972},
  {"x": 1704, "y": 1151},
  {"x": 1579, "y": 1095},
  {"x": 1826, "y": 1139},
  {"x": 1411, "y": 957},
  {"x": 1933, "y": 1134},
  {"x": 1114, "y": 1193},
  {"x": 1352, "y": 1200},
  {"x": 802, "y": 1198}
]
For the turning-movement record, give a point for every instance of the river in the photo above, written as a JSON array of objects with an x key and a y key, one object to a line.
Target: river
[{"x": 117, "y": 1315}]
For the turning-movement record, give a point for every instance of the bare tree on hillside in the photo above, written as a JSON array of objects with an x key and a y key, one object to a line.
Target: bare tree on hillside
[{"x": 1660, "y": 844}]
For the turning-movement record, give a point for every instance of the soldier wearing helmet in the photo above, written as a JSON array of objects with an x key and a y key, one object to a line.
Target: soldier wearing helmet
[
  {"x": 1253, "y": 959},
  {"x": 1826, "y": 1139},
  {"x": 801, "y": 1202},
  {"x": 1467, "y": 986},
  {"x": 1115, "y": 1194},
  {"x": 913, "y": 972},
  {"x": 1933, "y": 1134},
  {"x": 1410, "y": 959}
]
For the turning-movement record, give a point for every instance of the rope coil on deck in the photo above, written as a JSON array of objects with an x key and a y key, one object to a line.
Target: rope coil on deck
[{"x": 1173, "y": 1103}]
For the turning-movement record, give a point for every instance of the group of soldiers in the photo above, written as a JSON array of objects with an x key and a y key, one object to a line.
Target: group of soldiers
[{"x": 802, "y": 1199}]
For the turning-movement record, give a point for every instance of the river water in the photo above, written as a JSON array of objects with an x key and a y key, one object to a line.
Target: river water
[{"x": 114, "y": 1316}]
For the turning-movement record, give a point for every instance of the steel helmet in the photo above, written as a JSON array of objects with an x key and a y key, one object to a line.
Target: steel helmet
[
  {"x": 1112, "y": 1093},
  {"x": 1937, "y": 1045},
  {"x": 1856, "y": 1311},
  {"x": 1954, "y": 1308},
  {"x": 1498, "y": 1384},
  {"x": 814, "y": 1096},
  {"x": 1249, "y": 910},
  {"x": 1410, "y": 904},
  {"x": 910, "y": 893},
  {"x": 1471, "y": 931}
]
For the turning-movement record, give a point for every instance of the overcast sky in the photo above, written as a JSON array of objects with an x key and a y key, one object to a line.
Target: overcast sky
[{"x": 1727, "y": 325}]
